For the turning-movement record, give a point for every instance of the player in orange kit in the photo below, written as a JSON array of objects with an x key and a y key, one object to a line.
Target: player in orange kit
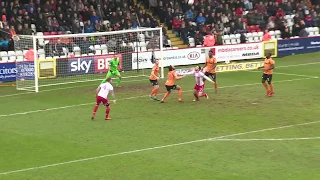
[
  {"x": 210, "y": 69},
  {"x": 267, "y": 74},
  {"x": 154, "y": 77},
  {"x": 170, "y": 84}
]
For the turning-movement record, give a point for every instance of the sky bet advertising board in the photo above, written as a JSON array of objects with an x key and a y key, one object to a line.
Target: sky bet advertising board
[
  {"x": 298, "y": 46},
  {"x": 84, "y": 65}
]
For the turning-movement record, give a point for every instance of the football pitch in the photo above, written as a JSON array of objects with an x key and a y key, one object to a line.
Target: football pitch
[{"x": 236, "y": 134}]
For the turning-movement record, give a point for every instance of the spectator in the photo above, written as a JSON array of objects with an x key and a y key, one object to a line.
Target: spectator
[
  {"x": 94, "y": 18},
  {"x": 26, "y": 30},
  {"x": 176, "y": 24},
  {"x": 12, "y": 32},
  {"x": 303, "y": 32},
  {"x": 271, "y": 25},
  {"x": 266, "y": 36},
  {"x": 243, "y": 38},
  {"x": 219, "y": 39},
  {"x": 280, "y": 13},
  {"x": 59, "y": 48},
  {"x": 19, "y": 30},
  {"x": 286, "y": 33},
  {"x": 169, "y": 19},
  {"x": 309, "y": 21},
  {"x": 316, "y": 19},
  {"x": 189, "y": 15},
  {"x": 63, "y": 26},
  {"x": 200, "y": 18},
  {"x": 198, "y": 38},
  {"x": 55, "y": 24},
  {"x": 209, "y": 40},
  {"x": 88, "y": 27},
  {"x": 184, "y": 33}
]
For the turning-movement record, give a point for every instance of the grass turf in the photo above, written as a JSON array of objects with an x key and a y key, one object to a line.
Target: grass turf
[{"x": 40, "y": 131}]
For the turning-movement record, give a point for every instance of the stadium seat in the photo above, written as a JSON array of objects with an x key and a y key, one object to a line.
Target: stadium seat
[
  {"x": 316, "y": 30},
  {"x": 250, "y": 37},
  {"x": 4, "y": 56},
  {"x": 104, "y": 49},
  {"x": 226, "y": 39},
  {"x": 20, "y": 59},
  {"x": 175, "y": 47},
  {"x": 191, "y": 42},
  {"x": 277, "y": 34},
  {"x": 77, "y": 51},
  {"x": 233, "y": 39},
  {"x": 12, "y": 56},
  {"x": 19, "y": 53},
  {"x": 98, "y": 50}
]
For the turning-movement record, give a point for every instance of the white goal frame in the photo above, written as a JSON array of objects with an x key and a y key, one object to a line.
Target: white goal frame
[{"x": 36, "y": 38}]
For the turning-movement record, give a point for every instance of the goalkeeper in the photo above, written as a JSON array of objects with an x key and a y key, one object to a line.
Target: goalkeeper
[{"x": 113, "y": 70}]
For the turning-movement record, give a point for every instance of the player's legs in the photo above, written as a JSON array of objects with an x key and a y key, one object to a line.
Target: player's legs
[
  {"x": 95, "y": 109},
  {"x": 177, "y": 87},
  {"x": 155, "y": 90},
  {"x": 264, "y": 79},
  {"x": 167, "y": 93},
  {"x": 117, "y": 73},
  {"x": 196, "y": 95},
  {"x": 269, "y": 80},
  {"x": 214, "y": 79}
]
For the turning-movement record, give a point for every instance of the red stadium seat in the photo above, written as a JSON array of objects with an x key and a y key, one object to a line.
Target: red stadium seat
[
  {"x": 46, "y": 33},
  {"x": 54, "y": 33}
]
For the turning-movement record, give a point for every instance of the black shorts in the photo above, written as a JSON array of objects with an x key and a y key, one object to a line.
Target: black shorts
[
  {"x": 169, "y": 88},
  {"x": 213, "y": 76},
  {"x": 154, "y": 82},
  {"x": 267, "y": 77}
]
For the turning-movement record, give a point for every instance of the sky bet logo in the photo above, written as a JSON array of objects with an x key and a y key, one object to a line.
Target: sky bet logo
[{"x": 80, "y": 65}]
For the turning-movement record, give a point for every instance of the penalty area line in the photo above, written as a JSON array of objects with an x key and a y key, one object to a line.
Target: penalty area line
[
  {"x": 153, "y": 148},
  {"x": 135, "y": 97},
  {"x": 270, "y": 139}
]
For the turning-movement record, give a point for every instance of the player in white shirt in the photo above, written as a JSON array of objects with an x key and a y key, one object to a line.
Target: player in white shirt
[
  {"x": 199, "y": 87},
  {"x": 102, "y": 97}
]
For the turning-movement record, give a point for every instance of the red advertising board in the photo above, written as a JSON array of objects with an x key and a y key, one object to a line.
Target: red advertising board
[{"x": 101, "y": 62}]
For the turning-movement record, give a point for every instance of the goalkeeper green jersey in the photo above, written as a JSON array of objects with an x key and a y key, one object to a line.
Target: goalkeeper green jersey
[{"x": 114, "y": 63}]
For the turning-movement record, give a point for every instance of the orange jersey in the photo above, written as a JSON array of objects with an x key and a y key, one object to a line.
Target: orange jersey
[
  {"x": 172, "y": 76},
  {"x": 267, "y": 65},
  {"x": 155, "y": 71},
  {"x": 210, "y": 63}
]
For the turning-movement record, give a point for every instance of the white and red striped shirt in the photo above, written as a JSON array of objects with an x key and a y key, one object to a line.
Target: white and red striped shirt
[{"x": 198, "y": 75}]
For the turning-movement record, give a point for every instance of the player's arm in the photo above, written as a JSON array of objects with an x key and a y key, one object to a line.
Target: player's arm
[
  {"x": 179, "y": 77},
  {"x": 98, "y": 90},
  {"x": 207, "y": 78},
  {"x": 113, "y": 96}
]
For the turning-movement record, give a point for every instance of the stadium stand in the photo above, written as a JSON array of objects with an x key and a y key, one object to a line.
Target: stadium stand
[{"x": 184, "y": 24}]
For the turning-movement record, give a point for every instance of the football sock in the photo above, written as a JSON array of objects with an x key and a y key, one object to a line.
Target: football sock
[
  {"x": 204, "y": 94},
  {"x": 95, "y": 109},
  {"x": 271, "y": 87},
  {"x": 153, "y": 92},
  {"x": 180, "y": 93},
  {"x": 165, "y": 95},
  {"x": 107, "y": 112},
  {"x": 119, "y": 80},
  {"x": 266, "y": 86},
  {"x": 196, "y": 95},
  {"x": 156, "y": 92},
  {"x": 215, "y": 86}
]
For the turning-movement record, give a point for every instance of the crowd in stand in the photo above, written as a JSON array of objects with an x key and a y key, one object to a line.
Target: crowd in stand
[
  {"x": 75, "y": 16},
  {"x": 197, "y": 20},
  {"x": 219, "y": 17}
]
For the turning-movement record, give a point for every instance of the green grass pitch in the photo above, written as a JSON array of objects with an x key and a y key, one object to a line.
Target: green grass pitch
[{"x": 237, "y": 134}]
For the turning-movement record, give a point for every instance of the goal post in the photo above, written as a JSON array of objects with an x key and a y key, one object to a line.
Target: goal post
[{"x": 51, "y": 59}]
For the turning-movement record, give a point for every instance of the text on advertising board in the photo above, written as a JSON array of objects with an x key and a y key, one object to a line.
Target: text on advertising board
[{"x": 101, "y": 63}]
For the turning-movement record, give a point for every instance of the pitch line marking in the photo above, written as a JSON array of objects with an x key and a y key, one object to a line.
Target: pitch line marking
[
  {"x": 270, "y": 139},
  {"x": 55, "y": 89},
  {"x": 288, "y": 74},
  {"x": 154, "y": 148},
  {"x": 135, "y": 97},
  {"x": 63, "y": 88}
]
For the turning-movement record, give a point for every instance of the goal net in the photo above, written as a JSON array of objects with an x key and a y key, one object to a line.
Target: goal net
[{"x": 51, "y": 59}]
